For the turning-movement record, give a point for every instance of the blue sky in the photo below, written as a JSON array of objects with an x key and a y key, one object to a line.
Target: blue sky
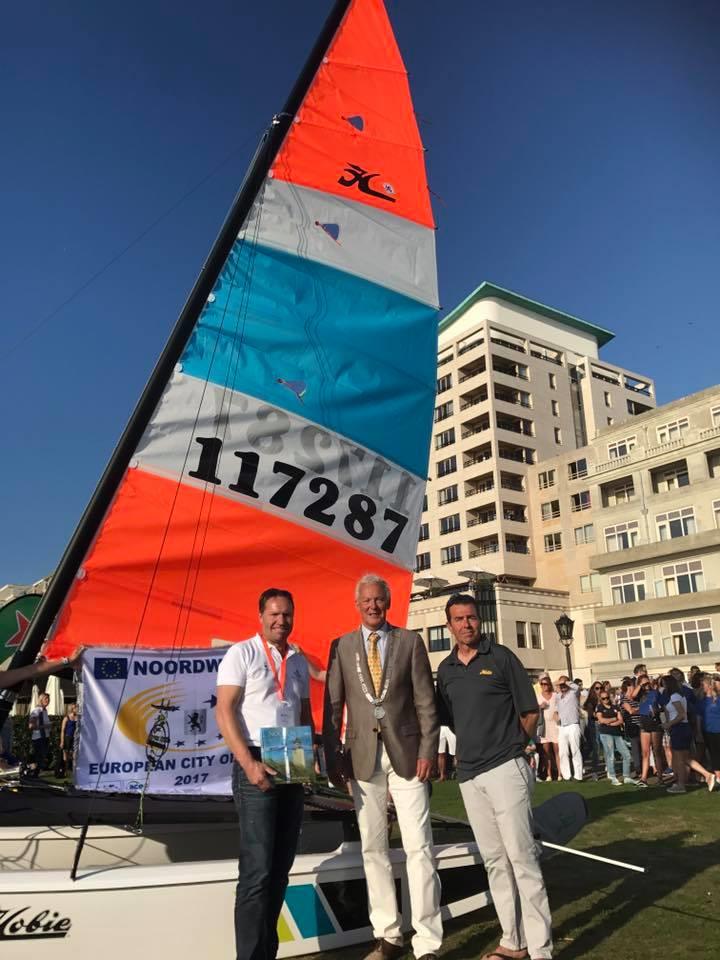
[{"x": 573, "y": 148}]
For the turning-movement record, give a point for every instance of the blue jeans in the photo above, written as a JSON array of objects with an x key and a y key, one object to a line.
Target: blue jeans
[
  {"x": 610, "y": 744},
  {"x": 269, "y": 830},
  {"x": 591, "y": 740}
]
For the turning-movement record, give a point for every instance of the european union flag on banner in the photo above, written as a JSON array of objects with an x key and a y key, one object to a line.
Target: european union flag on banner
[{"x": 110, "y": 668}]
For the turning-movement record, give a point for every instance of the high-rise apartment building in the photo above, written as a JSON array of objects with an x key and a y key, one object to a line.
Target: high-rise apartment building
[
  {"x": 629, "y": 526},
  {"x": 518, "y": 383}
]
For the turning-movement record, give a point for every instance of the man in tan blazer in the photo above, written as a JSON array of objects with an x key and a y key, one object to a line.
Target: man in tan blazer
[{"x": 381, "y": 675}]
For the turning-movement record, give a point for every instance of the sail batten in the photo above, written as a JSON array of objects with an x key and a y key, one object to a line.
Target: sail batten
[{"x": 290, "y": 445}]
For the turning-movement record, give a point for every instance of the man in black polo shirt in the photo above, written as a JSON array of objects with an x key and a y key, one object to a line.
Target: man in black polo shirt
[{"x": 485, "y": 696}]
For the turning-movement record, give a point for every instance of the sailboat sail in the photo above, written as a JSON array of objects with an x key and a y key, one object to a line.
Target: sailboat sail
[{"x": 290, "y": 445}]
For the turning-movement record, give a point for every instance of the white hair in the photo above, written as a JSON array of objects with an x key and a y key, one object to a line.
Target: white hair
[{"x": 372, "y": 580}]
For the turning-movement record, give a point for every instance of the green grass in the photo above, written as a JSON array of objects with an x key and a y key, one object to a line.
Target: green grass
[{"x": 672, "y": 912}]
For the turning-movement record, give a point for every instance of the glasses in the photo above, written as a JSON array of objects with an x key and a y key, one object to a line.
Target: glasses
[
  {"x": 597, "y": 686},
  {"x": 544, "y": 683}
]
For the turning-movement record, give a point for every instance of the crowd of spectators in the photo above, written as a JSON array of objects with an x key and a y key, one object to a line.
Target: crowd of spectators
[{"x": 662, "y": 728}]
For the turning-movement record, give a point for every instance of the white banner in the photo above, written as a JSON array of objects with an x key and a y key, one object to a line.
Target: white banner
[{"x": 149, "y": 714}]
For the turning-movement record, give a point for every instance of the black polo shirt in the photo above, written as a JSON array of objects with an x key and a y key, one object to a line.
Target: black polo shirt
[{"x": 482, "y": 702}]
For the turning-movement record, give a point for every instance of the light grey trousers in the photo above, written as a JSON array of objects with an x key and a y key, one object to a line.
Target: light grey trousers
[{"x": 500, "y": 813}]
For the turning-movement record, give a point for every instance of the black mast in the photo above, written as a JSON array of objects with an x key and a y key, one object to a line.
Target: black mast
[{"x": 96, "y": 509}]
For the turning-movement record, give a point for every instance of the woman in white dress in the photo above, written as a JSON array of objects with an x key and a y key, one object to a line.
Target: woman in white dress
[{"x": 549, "y": 738}]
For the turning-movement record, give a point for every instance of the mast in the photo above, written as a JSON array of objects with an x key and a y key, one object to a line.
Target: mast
[{"x": 96, "y": 509}]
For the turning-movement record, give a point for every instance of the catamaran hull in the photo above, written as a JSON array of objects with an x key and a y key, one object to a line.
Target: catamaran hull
[{"x": 186, "y": 910}]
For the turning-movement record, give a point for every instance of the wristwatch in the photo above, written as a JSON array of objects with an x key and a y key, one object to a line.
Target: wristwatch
[{"x": 65, "y": 661}]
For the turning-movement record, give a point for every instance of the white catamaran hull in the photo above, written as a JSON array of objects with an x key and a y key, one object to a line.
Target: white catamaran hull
[{"x": 186, "y": 909}]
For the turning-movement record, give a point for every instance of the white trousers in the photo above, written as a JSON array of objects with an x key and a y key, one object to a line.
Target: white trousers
[
  {"x": 412, "y": 803},
  {"x": 569, "y": 743},
  {"x": 499, "y": 809}
]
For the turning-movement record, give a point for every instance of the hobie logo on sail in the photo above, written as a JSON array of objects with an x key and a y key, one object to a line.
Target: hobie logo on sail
[
  {"x": 23, "y": 924},
  {"x": 358, "y": 175}
]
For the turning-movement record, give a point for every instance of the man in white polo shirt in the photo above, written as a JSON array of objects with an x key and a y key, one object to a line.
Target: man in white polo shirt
[
  {"x": 568, "y": 716},
  {"x": 263, "y": 682}
]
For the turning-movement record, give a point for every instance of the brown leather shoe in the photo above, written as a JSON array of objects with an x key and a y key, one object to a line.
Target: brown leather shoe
[{"x": 384, "y": 950}]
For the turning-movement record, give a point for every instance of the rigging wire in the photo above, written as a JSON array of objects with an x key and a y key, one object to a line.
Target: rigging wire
[
  {"x": 37, "y": 327},
  {"x": 176, "y": 646}
]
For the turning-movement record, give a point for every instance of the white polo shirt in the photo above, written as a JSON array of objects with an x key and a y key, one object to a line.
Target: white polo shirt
[{"x": 245, "y": 665}]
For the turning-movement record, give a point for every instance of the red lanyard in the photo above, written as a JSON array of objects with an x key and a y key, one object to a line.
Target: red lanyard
[{"x": 279, "y": 679}]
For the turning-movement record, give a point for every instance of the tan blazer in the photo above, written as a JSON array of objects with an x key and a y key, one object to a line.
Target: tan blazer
[{"x": 410, "y": 727}]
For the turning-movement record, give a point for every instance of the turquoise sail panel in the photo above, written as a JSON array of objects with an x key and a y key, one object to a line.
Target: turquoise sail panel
[{"x": 346, "y": 353}]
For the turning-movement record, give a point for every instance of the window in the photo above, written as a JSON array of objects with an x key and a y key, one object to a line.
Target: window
[
  {"x": 595, "y": 635},
  {"x": 535, "y": 636},
  {"x": 691, "y": 637},
  {"x": 555, "y": 407},
  {"x": 608, "y": 399},
  {"x": 552, "y": 380},
  {"x": 621, "y": 448},
  {"x": 424, "y": 532},
  {"x": 553, "y": 542},
  {"x": 438, "y": 639},
  {"x": 451, "y": 554},
  {"x": 558, "y": 435},
  {"x": 715, "y": 416},
  {"x": 628, "y": 587},
  {"x": 622, "y": 536},
  {"x": 610, "y": 421},
  {"x": 716, "y": 512},
  {"x": 577, "y": 469},
  {"x": 580, "y": 501},
  {"x": 590, "y": 583},
  {"x": 520, "y": 636},
  {"x": 443, "y": 411},
  {"x": 422, "y": 562},
  {"x": 425, "y": 503},
  {"x": 444, "y": 467},
  {"x": 672, "y": 431},
  {"x": 673, "y": 478},
  {"x": 546, "y": 478},
  {"x": 450, "y": 524},
  {"x": 676, "y": 523},
  {"x": 445, "y": 438},
  {"x": 444, "y": 383},
  {"x": 448, "y": 494},
  {"x": 634, "y": 642},
  {"x": 550, "y": 509},
  {"x": 682, "y": 578},
  {"x": 585, "y": 534}
]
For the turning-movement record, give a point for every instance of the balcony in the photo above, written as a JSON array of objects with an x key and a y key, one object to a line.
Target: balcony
[
  {"x": 518, "y": 454},
  {"x": 482, "y": 484},
  {"x": 473, "y": 398},
  {"x": 659, "y": 549},
  {"x": 507, "y": 395},
  {"x": 517, "y": 545},
  {"x": 514, "y": 424},
  {"x": 474, "y": 426},
  {"x": 470, "y": 345},
  {"x": 481, "y": 548},
  {"x": 683, "y": 605},
  {"x": 508, "y": 344},
  {"x": 509, "y": 368},
  {"x": 480, "y": 518},
  {"x": 551, "y": 356},
  {"x": 512, "y": 481},
  {"x": 470, "y": 370},
  {"x": 514, "y": 512}
]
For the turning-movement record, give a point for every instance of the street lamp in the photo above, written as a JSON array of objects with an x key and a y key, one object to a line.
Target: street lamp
[
  {"x": 565, "y": 633},
  {"x": 483, "y": 585}
]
